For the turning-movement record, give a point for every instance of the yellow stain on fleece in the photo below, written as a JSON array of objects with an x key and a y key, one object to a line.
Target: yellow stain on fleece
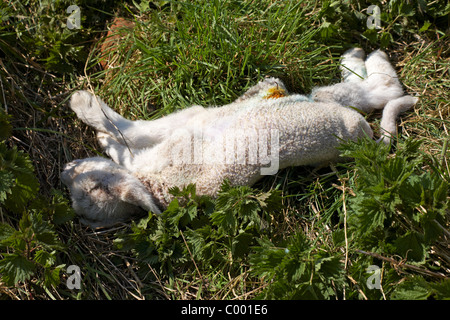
[{"x": 275, "y": 93}]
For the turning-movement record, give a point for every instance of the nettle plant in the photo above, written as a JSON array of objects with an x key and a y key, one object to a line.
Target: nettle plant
[
  {"x": 217, "y": 232},
  {"x": 29, "y": 244},
  {"x": 400, "y": 210},
  {"x": 397, "y": 209},
  {"x": 394, "y": 208}
]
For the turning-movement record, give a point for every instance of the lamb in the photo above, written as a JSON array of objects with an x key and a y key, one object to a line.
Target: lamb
[{"x": 263, "y": 131}]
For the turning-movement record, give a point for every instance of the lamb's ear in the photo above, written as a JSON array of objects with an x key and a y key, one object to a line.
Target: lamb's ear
[{"x": 391, "y": 111}]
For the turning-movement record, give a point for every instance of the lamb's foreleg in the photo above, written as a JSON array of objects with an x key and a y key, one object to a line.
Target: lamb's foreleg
[
  {"x": 104, "y": 193},
  {"x": 133, "y": 134}
]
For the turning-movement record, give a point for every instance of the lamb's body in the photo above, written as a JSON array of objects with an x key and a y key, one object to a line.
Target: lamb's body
[
  {"x": 263, "y": 131},
  {"x": 251, "y": 143}
]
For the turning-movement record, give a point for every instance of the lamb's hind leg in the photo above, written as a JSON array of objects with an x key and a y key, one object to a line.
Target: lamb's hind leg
[
  {"x": 365, "y": 93},
  {"x": 120, "y": 153},
  {"x": 384, "y": 91},
  {"x": 380, "y": 89},
  {"x": 350, "y": 91},
  {"x": 382, "y": 84},
  {"x": 353, "y": 66},
  {"x": 104, "y": 193}
]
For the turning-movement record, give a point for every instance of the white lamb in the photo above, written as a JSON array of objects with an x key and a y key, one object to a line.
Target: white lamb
[{"x": 263, "y": 131}]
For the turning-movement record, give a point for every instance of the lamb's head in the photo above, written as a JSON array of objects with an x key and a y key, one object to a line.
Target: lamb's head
[{"x": 76, "y": 167}]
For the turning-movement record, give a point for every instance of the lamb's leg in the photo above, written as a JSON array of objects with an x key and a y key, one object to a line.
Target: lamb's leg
[
  {"x": 350, "y": 91},
  {"x": 95, "y": 113},
  {"x": 133, "y": 134},
  {"x": 353, "y": 66},
  {"x": 118, "y": 152},
  {"x": 382, "y": 83},
  {"x": 385, "y": 91},
  {"x": 379, "y": 87},
  {"x": 392, "y": 109},
  {"x": 104, "y": 193}
]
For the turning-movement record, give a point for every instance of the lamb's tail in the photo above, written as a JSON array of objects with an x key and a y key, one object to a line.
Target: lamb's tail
[{"x": 390, "y": 113}]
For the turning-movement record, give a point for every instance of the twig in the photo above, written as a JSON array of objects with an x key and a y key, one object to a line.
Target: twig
[
  {"x": 403, "y": 265},
  {"x": 357, "y": 286},
  {"x": 245, "y": 295},
  {"x": 4, "y": 98},
  {"x": 345, "y": 225},
  {"x": 444, "y": 151},
  {"x": 163, "y": 288}
]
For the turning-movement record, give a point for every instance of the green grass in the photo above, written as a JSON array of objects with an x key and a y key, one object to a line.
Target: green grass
[
  {"x": 210, "y": 53},
  {"x": 303, "y": 233}
]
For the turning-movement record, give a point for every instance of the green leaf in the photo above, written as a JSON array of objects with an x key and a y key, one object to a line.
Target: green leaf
[
  {"x": 412, "y": 191},
  {"x": 270, "y": 201},
  {"x": 266, "y": 259},
  {"x": 432, "y": 230},
  {"x": 407, "y": 10},
  {"x": 386, "y": 39},
  {"x": 241, "y": 243},
  {"x": 330, "y": 267},
  {"x": 415, "y": 288},
  {"x": 366, "y": 214},
  {"x": 425, "y": 26},
  {"x": 225, "y": 220},
  {"x": 44, "y": 258},
  {"x": 371, "y": 35},
  {"x": 6, "y": 184},
  {"x": 20, "y": 185},
  {"x": 411, "y": 245},
  {"x": 52, "y": 276},
  {"x": 6, "y": 232},
  {"x": 327, "y": 30},
  {"x": 59, "y": 209},
  {"x": 16, "y": 268}
]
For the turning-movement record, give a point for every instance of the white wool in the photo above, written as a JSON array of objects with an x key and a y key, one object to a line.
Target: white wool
[{"x": 263, "y": 131}]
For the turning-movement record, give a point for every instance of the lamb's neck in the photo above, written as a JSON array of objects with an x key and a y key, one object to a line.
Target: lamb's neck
[{"x": 158, "y": 188}]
